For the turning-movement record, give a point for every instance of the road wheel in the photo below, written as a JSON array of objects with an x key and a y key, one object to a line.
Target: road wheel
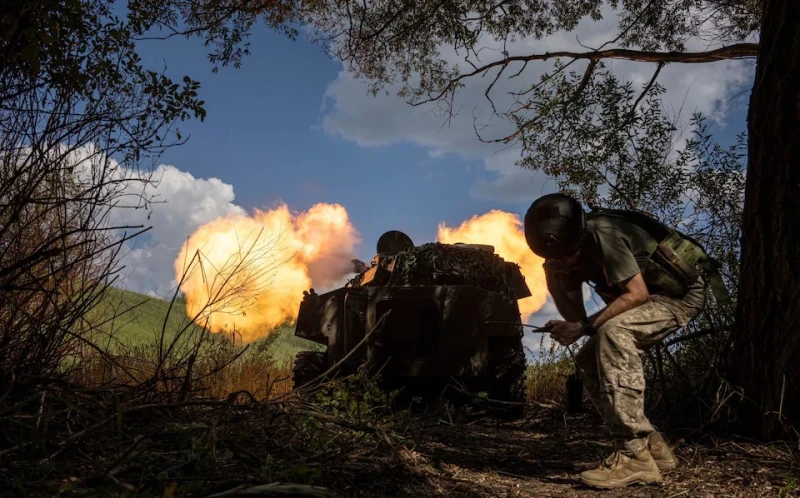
[
  {"x": 508, "y": 382},
  {"x": 308, "y": 365}
]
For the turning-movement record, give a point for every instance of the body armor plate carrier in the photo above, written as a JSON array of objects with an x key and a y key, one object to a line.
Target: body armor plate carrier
[{"x": 673, "y": 260}]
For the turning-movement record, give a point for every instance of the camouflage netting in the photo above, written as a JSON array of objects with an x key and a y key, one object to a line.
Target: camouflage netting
[{"x": 444, "y": 264}]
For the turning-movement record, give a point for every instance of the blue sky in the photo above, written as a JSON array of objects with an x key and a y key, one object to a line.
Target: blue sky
[
  {"x": 290, "y": 126},
  {"x": 263, "y": 135}
]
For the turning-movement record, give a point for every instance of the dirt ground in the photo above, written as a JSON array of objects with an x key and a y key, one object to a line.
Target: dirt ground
[
  {"x": 219, "y": 449},
  {"x": 542, "y": 456}
]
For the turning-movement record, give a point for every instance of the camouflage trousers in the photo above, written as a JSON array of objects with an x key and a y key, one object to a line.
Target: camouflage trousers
[{"x": 611, "y": 367}]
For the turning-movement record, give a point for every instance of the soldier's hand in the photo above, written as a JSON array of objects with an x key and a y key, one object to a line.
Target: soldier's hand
[
  {"x": 552, "y": 323},
  {"x": 556, "y": 267},
  {"x": 565, "y": 333}
]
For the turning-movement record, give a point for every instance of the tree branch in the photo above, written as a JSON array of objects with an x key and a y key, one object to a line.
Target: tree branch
[
  {"x": 647, "y": 89},
  {"x": 585, "y": 80},
  {"x": 737, "y": 51}
]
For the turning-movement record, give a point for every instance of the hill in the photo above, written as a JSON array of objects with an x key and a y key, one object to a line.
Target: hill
[{"x": 137, "y": 319}]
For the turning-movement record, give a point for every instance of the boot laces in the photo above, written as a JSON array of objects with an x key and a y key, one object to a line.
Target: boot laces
[{"x": 612, "y": 460}]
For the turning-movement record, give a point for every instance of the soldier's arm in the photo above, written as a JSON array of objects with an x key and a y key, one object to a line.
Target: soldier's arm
[
  {"x": 566, "y": 291},
  {"x": 621, "y": 269},
  {"x": 634, "y": 293}
]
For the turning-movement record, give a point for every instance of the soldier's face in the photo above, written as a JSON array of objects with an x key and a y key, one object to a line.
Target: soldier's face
[{"x": 569, "y": 260}]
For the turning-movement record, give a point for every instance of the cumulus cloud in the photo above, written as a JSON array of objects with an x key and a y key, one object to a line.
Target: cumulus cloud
[
  {"x": 182, "y": 204},
  {"x": 504, "y": 180},
  {"x": 353, "y": 114},
  {"x": 169, "y": 203},
  {"x": 178, "y": 204}
]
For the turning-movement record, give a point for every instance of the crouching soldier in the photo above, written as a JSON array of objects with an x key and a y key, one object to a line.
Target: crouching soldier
[{"x": 653, "y": 280}]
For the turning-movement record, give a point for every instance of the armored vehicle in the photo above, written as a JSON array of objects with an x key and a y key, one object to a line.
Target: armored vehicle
[{"x": 421, "y": 317}]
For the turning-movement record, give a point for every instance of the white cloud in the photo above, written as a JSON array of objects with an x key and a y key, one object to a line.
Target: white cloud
[
  {"x": 508, "y": 181},
  {"x": 170, "y": 202},
  {"x": 182, "y": 204},
  {"x": 354, "y": 114}
]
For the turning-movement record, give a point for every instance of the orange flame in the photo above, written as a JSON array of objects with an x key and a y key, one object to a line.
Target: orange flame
[
  {"x": 245, "y": 275},
  {"x": 504, "y": 231}
]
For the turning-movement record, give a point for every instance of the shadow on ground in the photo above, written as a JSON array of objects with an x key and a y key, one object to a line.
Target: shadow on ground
[{"x": 543, "y": 454}]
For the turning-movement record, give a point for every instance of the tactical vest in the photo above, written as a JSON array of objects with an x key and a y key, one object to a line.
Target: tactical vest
[{"x": 673, "y": 260}]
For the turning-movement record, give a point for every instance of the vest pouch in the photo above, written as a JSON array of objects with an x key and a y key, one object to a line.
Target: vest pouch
[
  {"x": 675, "y": 264},
  {"x": 658, "y": 276}
]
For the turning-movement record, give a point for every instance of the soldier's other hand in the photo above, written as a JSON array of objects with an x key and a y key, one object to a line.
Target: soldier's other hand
[{"x": 565, "y": 333}]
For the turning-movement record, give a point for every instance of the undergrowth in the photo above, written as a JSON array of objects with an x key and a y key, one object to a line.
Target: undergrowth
[{"x": 124, "y": 440}]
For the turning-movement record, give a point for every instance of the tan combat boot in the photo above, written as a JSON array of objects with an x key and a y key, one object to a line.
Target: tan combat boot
[
  {"x": 661, "y": 452},
  {"x": 620, "y": 470}
]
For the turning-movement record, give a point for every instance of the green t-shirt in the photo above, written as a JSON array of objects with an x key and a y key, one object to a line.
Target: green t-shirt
[{"x": 609, "y": 253}]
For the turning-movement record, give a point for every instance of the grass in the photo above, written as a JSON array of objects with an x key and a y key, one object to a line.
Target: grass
[
  {"x": 140, "y": 319},
  {"x": 192, "y": 421},
  {"x": 546, "y": 380},
  {"x": 128, "y": 326},
  {"x": 129, "y": 319}
]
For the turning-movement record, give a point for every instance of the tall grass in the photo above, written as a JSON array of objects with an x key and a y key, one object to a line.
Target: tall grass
[
  {"x": 546, "y": 380},
  {"x": 213, "y": 371},
  {"x": 547, "y": 372}
]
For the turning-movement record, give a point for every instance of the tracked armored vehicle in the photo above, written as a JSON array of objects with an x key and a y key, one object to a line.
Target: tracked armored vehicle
[{"x": 422, "y": 316}]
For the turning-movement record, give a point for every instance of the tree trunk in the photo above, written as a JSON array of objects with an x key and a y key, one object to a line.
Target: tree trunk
[{"x": 767, "y": 342}]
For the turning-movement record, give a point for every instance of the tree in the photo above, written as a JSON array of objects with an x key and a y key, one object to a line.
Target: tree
[
  {"x": 767, "y": 346},
  {"x": 80, "y": 118},
  {"x": 399, "y": 46},
  {"x": 78, "y": 115}
]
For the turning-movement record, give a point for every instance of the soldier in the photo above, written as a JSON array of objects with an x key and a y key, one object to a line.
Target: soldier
[{"x": 649, "y": 294}]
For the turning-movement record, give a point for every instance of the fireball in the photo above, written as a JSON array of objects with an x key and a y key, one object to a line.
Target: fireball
[
  {"x": 504, "y": 231},
  {"x": 245, "y": 275}
]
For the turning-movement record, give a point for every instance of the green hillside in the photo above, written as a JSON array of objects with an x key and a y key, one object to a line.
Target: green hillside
[{"x": 137, "y": 319}]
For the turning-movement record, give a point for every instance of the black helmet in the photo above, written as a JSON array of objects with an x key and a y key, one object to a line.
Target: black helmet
[
  {"x": 554, "y": 226},
  {"x": 394, "y": 241}
]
